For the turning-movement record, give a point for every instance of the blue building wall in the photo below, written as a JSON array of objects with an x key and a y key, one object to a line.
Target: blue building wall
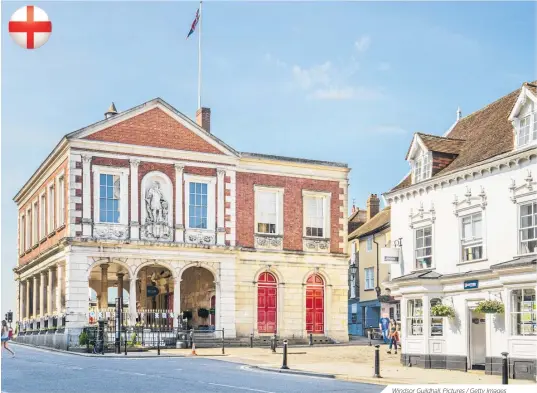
[
  {"x": 370, "y": 311},
  {"x": 355, "y": 325}
]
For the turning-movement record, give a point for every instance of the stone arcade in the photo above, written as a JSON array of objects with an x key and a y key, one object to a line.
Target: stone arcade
[{"x": 151, "y": 206}]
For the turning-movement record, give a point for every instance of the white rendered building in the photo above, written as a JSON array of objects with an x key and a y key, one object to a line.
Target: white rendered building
[{"x": 466, "y": 216}]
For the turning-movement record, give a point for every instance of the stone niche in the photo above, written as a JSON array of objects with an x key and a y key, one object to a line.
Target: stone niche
[{"x": 156, "y": 207}]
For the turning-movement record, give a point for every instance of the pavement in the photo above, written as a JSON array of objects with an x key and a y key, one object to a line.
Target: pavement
[{"x": 38, "y": 370}]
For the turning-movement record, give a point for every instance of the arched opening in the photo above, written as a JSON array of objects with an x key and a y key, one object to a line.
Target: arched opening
[
  {"x": 107, "y": 281},
  {"x": 154, "y": 297},
  {"x": 315, "y": 304},
  {"x": 197, "y": 292},
  {"x": 267, "y": 300}
]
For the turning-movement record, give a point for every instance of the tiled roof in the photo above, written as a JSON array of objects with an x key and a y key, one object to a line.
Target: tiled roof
[
  {"x": 517, "y": 262},
  {"x": 441, "y": 144},
  {"x": 380, "y": 220},
  {"x": 428, "y": 274},
  {"x": 486, "y": 132}
]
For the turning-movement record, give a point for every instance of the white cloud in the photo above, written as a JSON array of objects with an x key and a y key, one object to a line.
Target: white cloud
[
  {"x": 314, "y": 76},
  {"x": 389, "y": 129},
  {"x": 384, "y": 66},
  {"x": 362, "y": 43}
]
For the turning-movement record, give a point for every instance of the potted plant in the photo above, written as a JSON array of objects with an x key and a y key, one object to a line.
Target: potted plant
[
  {"x": 490, "y": 307},
  {"x": 203, "y": 313},
  {"x": 384, "y": 298},
  {"x": 442, "y": 310}
]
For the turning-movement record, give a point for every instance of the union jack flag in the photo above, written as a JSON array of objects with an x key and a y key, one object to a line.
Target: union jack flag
[{"x": 194, "y": 24}]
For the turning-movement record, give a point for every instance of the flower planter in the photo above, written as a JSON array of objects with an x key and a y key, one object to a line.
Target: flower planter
[
  {"x": 490, "y": 307},
  {"x": 442, "y": 310}
]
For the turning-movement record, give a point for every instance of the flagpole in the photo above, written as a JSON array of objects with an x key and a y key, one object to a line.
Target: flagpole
[{"x": 199, "y": 61}]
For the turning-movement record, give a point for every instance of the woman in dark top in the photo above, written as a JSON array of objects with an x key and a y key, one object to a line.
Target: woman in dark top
[{"x": 394, "y": 336}]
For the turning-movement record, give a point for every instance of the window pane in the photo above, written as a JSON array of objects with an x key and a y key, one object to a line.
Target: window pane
[{"x": 102, "y": 180}]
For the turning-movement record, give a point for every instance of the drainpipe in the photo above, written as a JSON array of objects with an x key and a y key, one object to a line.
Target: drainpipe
[{"x": 377, "y": 287}]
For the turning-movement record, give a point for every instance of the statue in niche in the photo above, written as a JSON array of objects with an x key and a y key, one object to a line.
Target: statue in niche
[{"x": 156, "y": 222}]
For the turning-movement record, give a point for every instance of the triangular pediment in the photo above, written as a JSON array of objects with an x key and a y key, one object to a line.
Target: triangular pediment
[
  {"x": 526, "y": 98},
  {"x": 154, "y": 124}
]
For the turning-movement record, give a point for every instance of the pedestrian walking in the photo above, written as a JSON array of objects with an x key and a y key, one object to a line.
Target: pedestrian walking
[
  {"x": 394, "y": 336},
  {"x": 384, "y": 325},
  {"x": 5, "y": 337}
]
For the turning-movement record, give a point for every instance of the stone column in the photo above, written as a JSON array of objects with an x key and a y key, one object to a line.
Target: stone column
[
  {"x": 42, "y": 294},
  {"x": 179, "y": 227},
  {"x": 176, "y": 301},
  {"x": 21, "y": 296},
  {"x": 143, "y": 288},
  {"x": 86, "y": 196},
  {"x": 120, "y": 286},
  {"x": 132, "y": 300},
  {"x": 104, "y": 286},
  {"x": 220, "y": 208},
  {"x": 59, "y": 287},
  {"x": 35, "y": 293},
  {"x": 28, "y": 300},
  {"x": 49, "y": 291},
  {"x": 135, "y": 195}
]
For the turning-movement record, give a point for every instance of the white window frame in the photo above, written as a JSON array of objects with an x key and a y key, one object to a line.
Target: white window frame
[
  {"x": 279, "y": 209},
  {"x": 28, "y": 239},
  {"x": 411, "y": 318},
  {"x": 440, "y": 320},
  {"x": 369, "y": 282},
  {"x": 414, "y": 258},
  {"x": 514, "y": 314},
  {"x": 42, "y": 216},
  {"x": 369, "y": 244},
  {"x": 123, "y": 173},
  {"x": 22, "y": 234},
  {"x": 35, "y": 222},
  {"x": 326, "y": 197},
  {"x": 466, "y": 243},
  {"x": 51, "y": 207},
  {"x": 211, "y": 200},
  {"x": 60, "y": 200},
  {"x": 519, "y": 229},
  {"x": 531, "y": 116},
  {"x": 424, "y": 162}
]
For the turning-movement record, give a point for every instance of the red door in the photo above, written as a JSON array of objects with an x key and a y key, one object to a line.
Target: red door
[
  {"x": 267, "y": 295},
  {"x": 315, "y": 304}
]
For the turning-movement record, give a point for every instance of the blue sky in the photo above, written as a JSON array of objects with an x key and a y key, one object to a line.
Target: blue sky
[{"x": 340, "y": 81}]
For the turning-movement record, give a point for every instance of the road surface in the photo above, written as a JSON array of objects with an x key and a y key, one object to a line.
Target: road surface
[{"x": 35, "y": 370}]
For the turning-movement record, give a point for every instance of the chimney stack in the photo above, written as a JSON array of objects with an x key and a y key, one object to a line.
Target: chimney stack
[
  {"x": 203, "y": 118},
  {"x": 373, "y": 206},
  {"x": 110, "y": 112}
]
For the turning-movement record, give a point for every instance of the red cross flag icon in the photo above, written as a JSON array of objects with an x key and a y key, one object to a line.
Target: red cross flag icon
[{"x": 30, "y": 27}]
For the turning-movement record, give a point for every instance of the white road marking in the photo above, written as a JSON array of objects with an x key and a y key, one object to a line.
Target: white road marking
[
  {"x": 239, "y": 387},
  {"x": 73, "y": 368},
  {"x": 179, "y": 369}
]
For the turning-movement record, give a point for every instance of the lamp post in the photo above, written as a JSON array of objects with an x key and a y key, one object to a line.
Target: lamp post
[{"x": 353, "y": 268}]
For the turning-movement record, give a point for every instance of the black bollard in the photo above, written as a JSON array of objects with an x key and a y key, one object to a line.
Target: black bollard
[
  {"x": 223, "y": 343},
  {"x": 505, "y": 368},
  {"x": 311, "y": 339},
  {"x": 284, "y": 365},
  {"x": 251, "y": 340},
  {"x": 125, "y": 341},
  {"x": 158, "y": 342},
  {"x": 377, "y": 362}
]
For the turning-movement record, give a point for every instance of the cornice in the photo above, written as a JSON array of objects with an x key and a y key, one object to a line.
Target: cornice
[{"x": 493, "y": 165}]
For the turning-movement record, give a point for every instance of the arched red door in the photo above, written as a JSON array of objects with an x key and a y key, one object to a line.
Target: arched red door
[
  {"x": 315, "y": 304},
  {"x": 267, "y": 296}
]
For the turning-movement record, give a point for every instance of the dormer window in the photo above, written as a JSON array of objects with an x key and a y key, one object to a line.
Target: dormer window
[
  {"x": 524, "y": 118},
  {"x": 422, "y": 167}
]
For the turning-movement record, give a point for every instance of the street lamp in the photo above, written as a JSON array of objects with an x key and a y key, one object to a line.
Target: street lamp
[{"x": 353, "y": 269}]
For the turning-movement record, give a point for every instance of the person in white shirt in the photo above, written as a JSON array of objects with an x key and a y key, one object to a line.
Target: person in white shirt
[{"x": 5, "y": 337}]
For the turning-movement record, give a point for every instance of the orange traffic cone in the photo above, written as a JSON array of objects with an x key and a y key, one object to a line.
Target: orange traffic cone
[{"x": 194, "y": 350}]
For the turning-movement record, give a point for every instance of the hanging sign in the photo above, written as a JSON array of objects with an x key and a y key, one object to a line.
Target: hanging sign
[
  {"x": 471, "y": 284},
  {"x": 389, "y": 256},
  {"x": 152, "y": 291}
]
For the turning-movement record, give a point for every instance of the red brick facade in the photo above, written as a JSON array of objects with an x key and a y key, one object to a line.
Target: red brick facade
[
  {"x": 54, "y": 237},
  {"x": 292, "y": 208},
  {"x": 154, "y": 128}
]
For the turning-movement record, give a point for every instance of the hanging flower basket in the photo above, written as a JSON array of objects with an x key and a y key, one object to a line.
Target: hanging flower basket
[
  {"x": 490, "y": 307},
  {"x": 203, "y": 313},
  {"x": 441, "y": 310},
  {"x": 384, "y": 298},
  {"x": 212, "y": 311},
  {"x": 187, "y": 314}
]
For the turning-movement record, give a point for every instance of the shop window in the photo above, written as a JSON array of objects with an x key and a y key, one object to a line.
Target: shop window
[
  {"x": 524, "y": 313},
  {"x": 437, "y": 323},
  {"x": 415, "y": 317}
]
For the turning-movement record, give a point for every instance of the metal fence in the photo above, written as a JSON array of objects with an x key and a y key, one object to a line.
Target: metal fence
[
  {"x": 101, "y": 338},
  {"x": 147, "y": 318}
]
